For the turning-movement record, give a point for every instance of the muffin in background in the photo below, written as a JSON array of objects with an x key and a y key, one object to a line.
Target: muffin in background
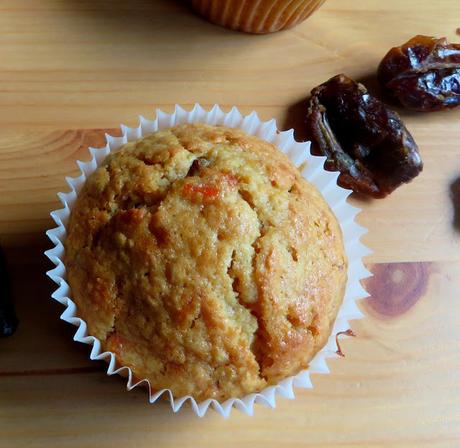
[{"x": 256, "y": 16}]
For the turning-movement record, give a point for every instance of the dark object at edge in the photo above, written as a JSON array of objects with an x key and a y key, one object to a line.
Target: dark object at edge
[
  {"x": 423, "y": 74},
  {"x": 363, "y": 139},
  {"x": 8, "y": 320}
]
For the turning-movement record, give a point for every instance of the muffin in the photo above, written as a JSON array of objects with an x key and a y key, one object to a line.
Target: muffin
[
  {"x": 205, "y": 262},
  {"x": 252, "y": 16}
]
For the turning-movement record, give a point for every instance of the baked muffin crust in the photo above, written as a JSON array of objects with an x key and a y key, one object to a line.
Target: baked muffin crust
[{"x": 205, "y": 262}]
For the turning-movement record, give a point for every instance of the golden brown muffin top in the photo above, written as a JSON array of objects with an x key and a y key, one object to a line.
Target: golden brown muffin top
[{"x": 205, "y": 262}]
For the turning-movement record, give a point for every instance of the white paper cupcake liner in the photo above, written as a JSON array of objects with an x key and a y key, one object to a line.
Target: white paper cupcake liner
[{"x": 311, "y": 168}]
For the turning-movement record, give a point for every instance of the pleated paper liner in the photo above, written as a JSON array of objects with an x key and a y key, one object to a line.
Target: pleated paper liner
[
  {"x": 260, "y": 17},
  {"x": 311, "y": 169}
]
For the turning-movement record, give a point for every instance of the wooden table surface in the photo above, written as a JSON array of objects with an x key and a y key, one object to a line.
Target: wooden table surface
[{"x": 71, "y": 69}]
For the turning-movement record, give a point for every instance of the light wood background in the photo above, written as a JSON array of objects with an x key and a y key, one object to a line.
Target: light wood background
[{"x": 70, "y": 69}]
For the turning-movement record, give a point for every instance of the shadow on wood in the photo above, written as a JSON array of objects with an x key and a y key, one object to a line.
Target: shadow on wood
[
  {"x": 371, "y": 83},
  {"x": 40, "y": 327},
  {"x": 295, "y": 119}
]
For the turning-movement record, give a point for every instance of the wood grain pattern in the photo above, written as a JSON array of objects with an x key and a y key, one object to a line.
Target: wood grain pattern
[
  {"x": 400, "y": 372},
  {"x": 73, "y": 69},
  {"x": 87, "y": 65},
  {"x": 33, "y": 166}
]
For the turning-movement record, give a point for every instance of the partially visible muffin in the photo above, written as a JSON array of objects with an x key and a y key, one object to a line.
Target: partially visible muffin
[
  {"x": 256, "y": 16},
  {"x": 205, "y": 262}
]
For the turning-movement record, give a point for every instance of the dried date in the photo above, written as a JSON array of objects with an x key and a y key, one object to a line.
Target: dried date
[
  {"x": 423, "y": 74},
  {"x": 363, "y": 139}
]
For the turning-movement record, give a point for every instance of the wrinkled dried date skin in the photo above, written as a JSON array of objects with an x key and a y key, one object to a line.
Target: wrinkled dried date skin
[
  {"x": 363, "y": 139},
  {"x": 423, "y": 74}
]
